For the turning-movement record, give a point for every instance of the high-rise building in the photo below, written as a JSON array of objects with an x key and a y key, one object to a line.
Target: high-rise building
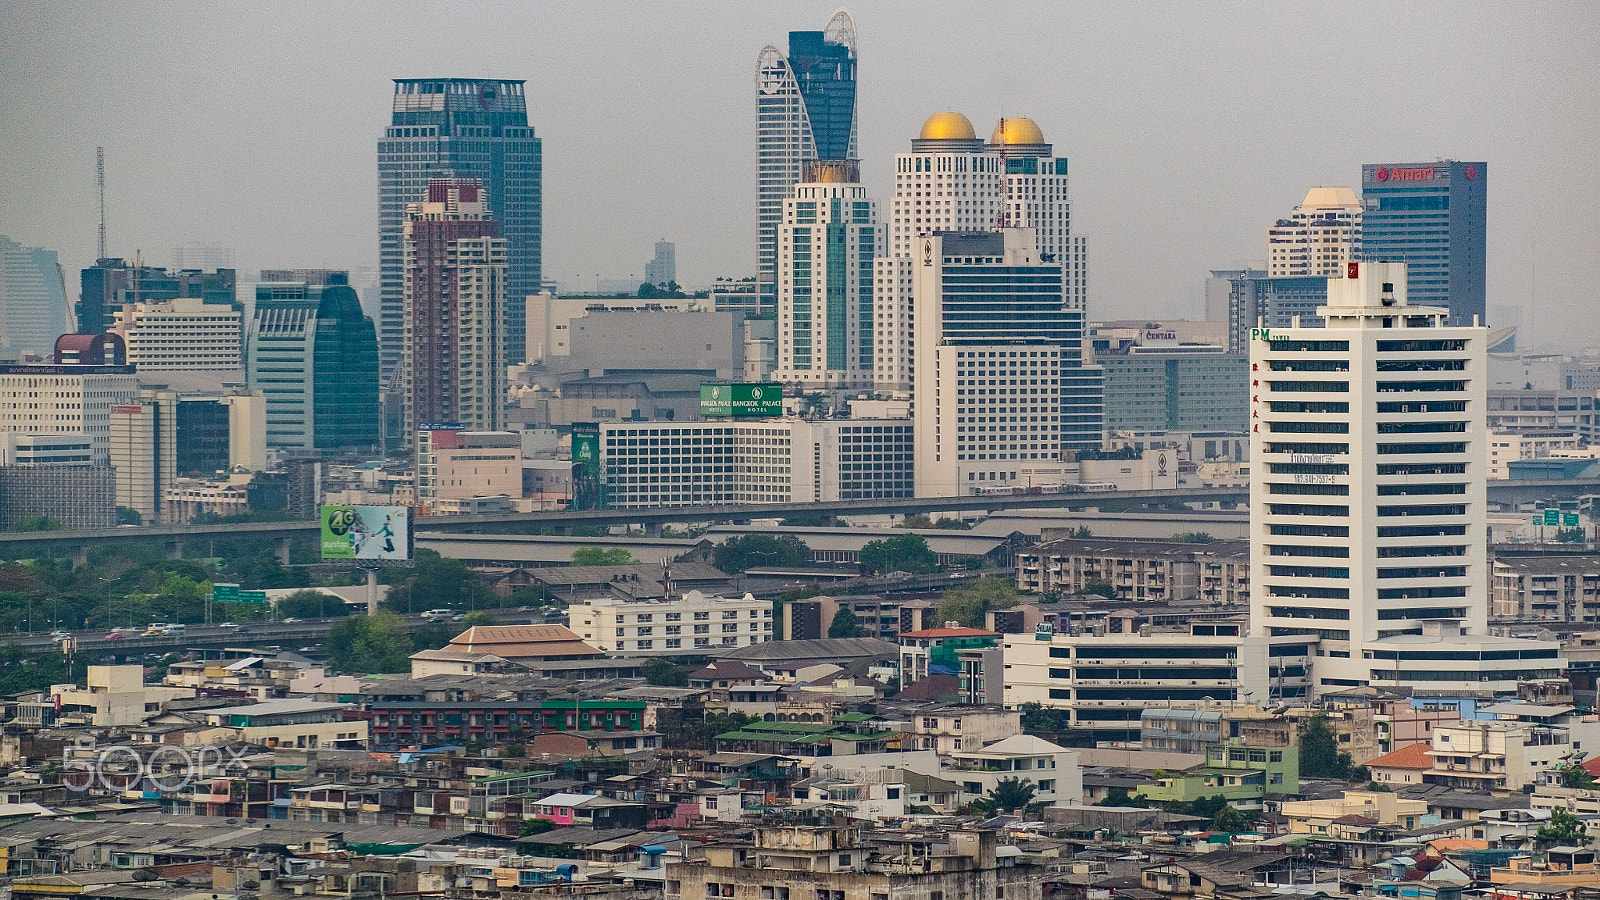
[
  {"x": 1367, "y": 493},
  {"x": 805, "y": 110},
  {"x": 461, "y": 128},
  {"x": 1001, "y": 385},
  {"x": 826, "y": 246},
  {"x": 182, "y": 335},
  {"x": 663, "y": 269},
  {"x": 201, "y": 255},
  {"x": 113, "y": 283},
  {"x": 314, "y": 355},
  {"x": 1247, "y": 298},
  {"x": 955, "y": 182},
  {"x": 33, "y": 297},
  {"x": 1319, "y": 237},
  {"x": 1434, "y": 218},
  {"x": 66, "y": 400},
  {"x": 454, "y": 367}
]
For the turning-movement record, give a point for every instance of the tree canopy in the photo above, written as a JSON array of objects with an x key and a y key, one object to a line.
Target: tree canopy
[
  {"x": 844, "y": 624},
  {"x": 1320, "y": 756},
  {"x": 312, "y": 604},
  {"x": 368, "y": 645},
  {"x": 901, "y": 553},
  {"x": 663, "y": 673},
  {"x": 749, "y": 551},
  {"x": 1008, "y": 794},
  {"x": 968, "y": 603},
  {"x": 599, "y": 556},
  {"x": 1564, "y": 830}
]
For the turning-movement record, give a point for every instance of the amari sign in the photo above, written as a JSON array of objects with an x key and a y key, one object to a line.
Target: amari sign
[{"x": 725, "y": 400}]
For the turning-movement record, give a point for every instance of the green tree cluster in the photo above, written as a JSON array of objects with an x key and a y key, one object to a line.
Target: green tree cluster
[
  {"x": 750, "y": 551},
  {"x": 844, "y": 624},
  {"x": 1193, "y": 537},
  {"x": 599, "y": 556},
  {"x": 969, "y": 602},
  {"x": 1037, "y": 717},
  {"x": 1320, "y": 756},
  {"x": 1563, "y": 830},
  {"x": 370, "y": 645},
  {"x": 902, "y": 553},
  {"x": 1007, "y": 795},
  {"x": 311, "y": 604},
  {"x": 663, "y": 673}
]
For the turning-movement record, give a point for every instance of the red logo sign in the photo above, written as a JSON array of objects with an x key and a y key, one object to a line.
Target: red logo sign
[
  {"x": 1352, "y": 270},
  {"x": 1471, "y": 172},
  {"x": 1382, "y": 174}
]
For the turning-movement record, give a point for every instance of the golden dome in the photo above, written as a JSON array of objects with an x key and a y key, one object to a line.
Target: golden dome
[
  {"x": 947, "y": 126},
  {"x": 1017, "y": 131}
]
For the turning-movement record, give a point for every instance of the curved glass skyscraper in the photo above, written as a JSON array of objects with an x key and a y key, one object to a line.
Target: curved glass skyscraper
[{"x": 805, "y": 110}]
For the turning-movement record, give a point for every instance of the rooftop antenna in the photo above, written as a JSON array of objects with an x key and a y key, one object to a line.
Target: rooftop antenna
[
  {"x": 100, "y": 183},
  {"x": 1002, "y": 220}
]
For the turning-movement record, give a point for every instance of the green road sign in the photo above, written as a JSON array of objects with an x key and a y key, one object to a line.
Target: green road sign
[
  {"x": 723, "y": 399},
  {"x": 1569, "y": 520},
  {"x": 1552, "y": 517},
  {"x": 225, "y": 593}
]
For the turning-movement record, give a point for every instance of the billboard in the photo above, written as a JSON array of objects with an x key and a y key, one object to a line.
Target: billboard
[
  {"x": 723, "y": 399},
  {"x": 366, "y": 532}
]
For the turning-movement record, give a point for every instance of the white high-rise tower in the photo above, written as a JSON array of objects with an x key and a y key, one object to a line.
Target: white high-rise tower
[
  {"x": 955, "y": 182},
  {"x": 1319, "y": 237},
  {"x": 1367, "y": 494},
  {"x": 826, "y": 245}
]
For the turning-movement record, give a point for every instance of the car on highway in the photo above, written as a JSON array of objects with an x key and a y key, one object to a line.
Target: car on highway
[
  {"x": 60, "y": 635},
  {"x": 116, "y": 636},
  {"x": 228, "y": 625},
  {"x": 291, "y": 620}
]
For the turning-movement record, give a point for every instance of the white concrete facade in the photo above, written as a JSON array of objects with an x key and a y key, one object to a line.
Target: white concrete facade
[
  {"x": 953, "y": 181},
  {"x": 1319, "y": 238},
  {"x": 827, "y": 242},
  {"x": 182, "y": 335},
  {"x": 1368, "y": 491},
  {"x": 998, "y": 364},
  {"x": 651, "y": 464},
  {"x": 689, "y": 623},
  {"x": 62, "y": 400}
]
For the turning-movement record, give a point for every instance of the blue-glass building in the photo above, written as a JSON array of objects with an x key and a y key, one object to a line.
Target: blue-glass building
[
  {"x": 1434, "y": 218},
  {"x": 466, "y": 128},
  {"x": 314, "y": 355},
  {"x": 805, "y": 110}
]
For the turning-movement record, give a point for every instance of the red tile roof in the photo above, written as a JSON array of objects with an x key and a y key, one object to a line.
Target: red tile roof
[
  {"x": 1411, "y": 756},
  {"x": 1592, "y": 766},
  {"x": 949, "y": 632}
]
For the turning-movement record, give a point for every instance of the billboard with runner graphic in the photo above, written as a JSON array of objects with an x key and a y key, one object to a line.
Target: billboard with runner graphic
[{"x": 366, "y": 532}]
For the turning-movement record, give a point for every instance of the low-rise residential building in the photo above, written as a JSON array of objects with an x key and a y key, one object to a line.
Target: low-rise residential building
[
  {"x": 1215, "y": 572},
  {"x": 1333, "y": 816},
  {"x": 675, "y": 624},
  {"x": 1240, "y": 774},
  {"x": 938, "y": 650},
  {"x": 1107, "y": 681},
  {"x": 1495, "y": 755},
  {"x": 302, "y": 724},
  {"x": 1557, "y": 587},
  {"x": 1561, "y": 867},
  {"x": 795, "y": 861},
  {"x": 608, "y": 726},
  {"x": 952, "y": 729},
  {"x": 1054, "y": 770},
  {"x": 1406, "y": 766},
  {"x": 111, "y": 696}
]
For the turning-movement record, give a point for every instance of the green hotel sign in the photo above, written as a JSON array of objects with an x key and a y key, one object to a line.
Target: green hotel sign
[{"x": 724, "y": 400}]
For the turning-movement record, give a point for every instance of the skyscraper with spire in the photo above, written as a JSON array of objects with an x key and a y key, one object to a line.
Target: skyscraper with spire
[{"x": 805, "y": 110}]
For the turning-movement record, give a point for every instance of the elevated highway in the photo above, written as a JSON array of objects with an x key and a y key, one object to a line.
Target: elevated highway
[{"x": 176, "y": 537}]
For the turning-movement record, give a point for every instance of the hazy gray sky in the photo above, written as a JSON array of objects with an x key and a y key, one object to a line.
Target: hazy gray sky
[{"x": 1191, "y": 126}]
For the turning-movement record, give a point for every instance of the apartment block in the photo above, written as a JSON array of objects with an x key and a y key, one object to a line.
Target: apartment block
[{"x": 1218, "y": 572}]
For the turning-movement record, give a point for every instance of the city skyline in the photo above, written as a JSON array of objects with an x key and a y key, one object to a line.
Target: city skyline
[{"x": 1169, "y": 121}]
